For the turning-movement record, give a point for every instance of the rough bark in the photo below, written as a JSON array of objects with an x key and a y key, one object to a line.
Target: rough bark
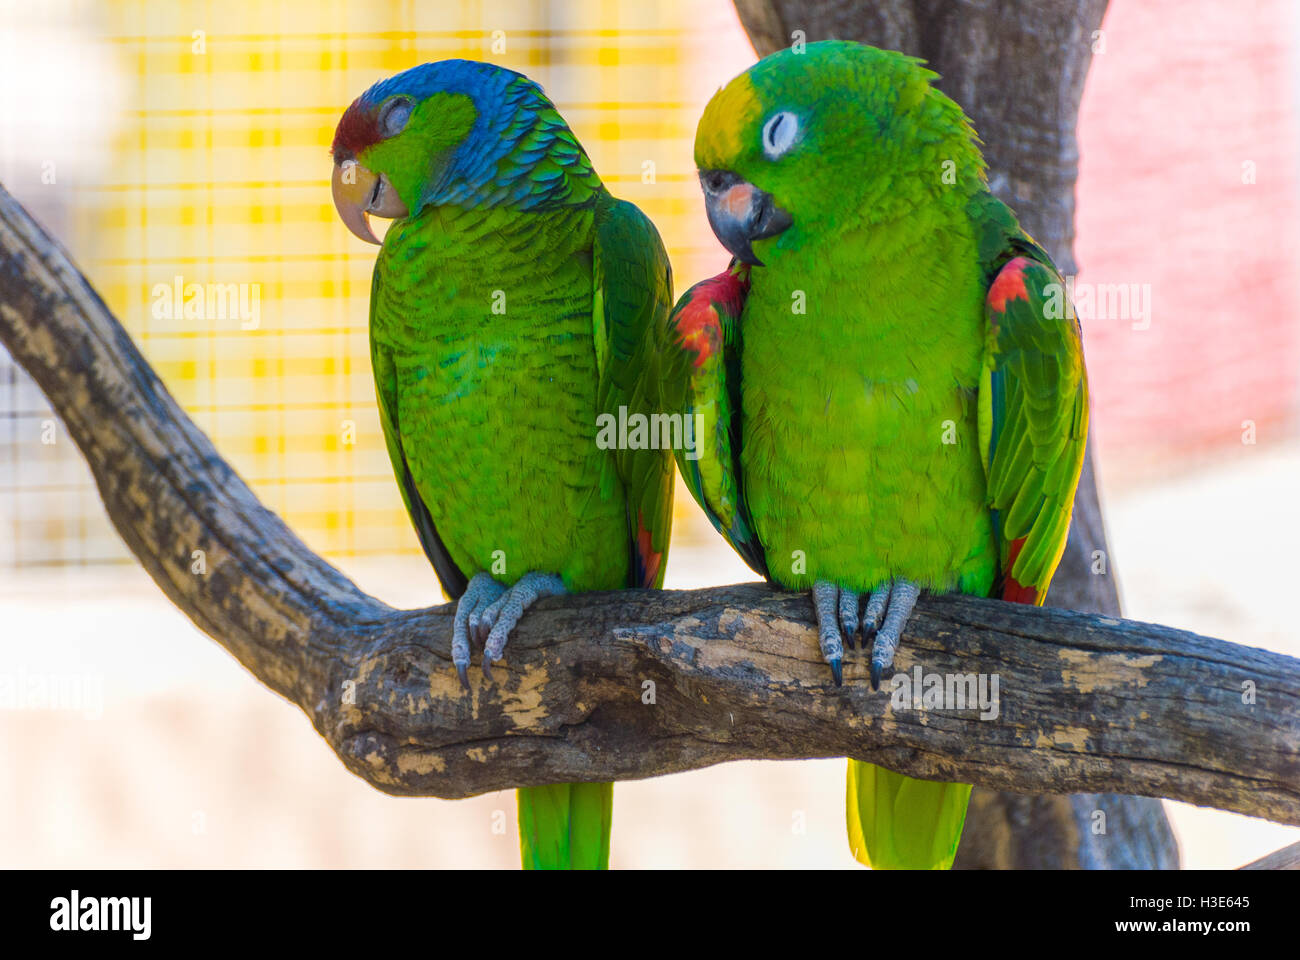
[
  {"x": 1017, "y": 67},
  {"x": 624, "y": 685}
]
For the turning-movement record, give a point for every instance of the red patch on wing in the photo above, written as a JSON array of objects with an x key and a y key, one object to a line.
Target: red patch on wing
[
  {"x": 1009, "y": 284},
  {"x": 699, "y": 327},
  {"x": 358, "y": 129},
  {"x": 1011, "y": 590},
  {"x": 650, "y": 558}
]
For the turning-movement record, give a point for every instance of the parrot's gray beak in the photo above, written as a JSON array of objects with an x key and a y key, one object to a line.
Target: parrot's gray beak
[
  {"x": 740, "y": 213},
  {"x": 359, "y": 192}
]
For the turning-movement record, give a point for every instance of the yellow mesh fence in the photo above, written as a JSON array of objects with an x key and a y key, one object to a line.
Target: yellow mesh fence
[{"x": 209, "y": 229}]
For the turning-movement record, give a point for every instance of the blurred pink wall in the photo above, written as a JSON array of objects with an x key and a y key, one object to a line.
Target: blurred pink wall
[{"x": 1184, "y": 97}]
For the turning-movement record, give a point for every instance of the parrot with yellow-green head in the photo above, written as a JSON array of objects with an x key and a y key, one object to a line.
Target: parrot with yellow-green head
[{"x": 890, "y": 377}]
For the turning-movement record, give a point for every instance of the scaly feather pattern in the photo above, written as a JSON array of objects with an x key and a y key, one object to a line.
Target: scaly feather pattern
[
  {"x": 892, "y": 397},
  {"x": 508, "y": 311}
]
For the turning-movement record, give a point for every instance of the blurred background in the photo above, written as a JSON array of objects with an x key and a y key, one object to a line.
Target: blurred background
[{"x": 187, "y": 142}]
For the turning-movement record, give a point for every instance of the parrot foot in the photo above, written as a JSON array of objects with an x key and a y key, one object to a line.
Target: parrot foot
[
  {"x": 504, "y": 613},
  {"x": 849, "y": 617},
  {"x": 831, "y": 604},
  {"x": 895, "y": 601},
  {"x": 481, "y": 591},
  {"x": 875, "y": 612}
]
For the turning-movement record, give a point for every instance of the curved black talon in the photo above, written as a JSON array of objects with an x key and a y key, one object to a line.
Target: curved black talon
[
  {"x": 877, "y": 668},
  {"x": 487, "y": 671},
  {"x": 463, "y": 672},
  {"x": 837, "y": 671}
]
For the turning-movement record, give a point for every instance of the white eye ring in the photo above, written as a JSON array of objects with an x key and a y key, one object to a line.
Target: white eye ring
[
  {"x": 779, "y": 134},
  {"x": 392, "y": 120}
]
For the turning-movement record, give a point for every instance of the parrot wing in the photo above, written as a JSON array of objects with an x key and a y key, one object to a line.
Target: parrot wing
[
  {"x": 568, "y": 824},
  {"x": 633, "y": 293},
  {"x": 1033, "y": 419},
  {"x": 451, "y": 577},
  {"x": 699, "y": 374},
  {"x": 1033, "y": 427}
]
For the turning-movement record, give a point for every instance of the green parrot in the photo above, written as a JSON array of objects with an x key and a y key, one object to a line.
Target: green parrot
[
  {"x": 511, "y": 306},
  {"x": 889, "y": 377}
]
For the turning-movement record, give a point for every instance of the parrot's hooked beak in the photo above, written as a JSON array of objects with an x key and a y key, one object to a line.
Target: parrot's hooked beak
[
  {"x": 359, "y": 192},
  {"x": 740, "y": 213}
]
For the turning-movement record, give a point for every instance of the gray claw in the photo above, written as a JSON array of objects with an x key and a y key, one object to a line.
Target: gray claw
[
  {"x": 480, "y": 591},
  {"x": 825, "y": 602},
  {"x": 902, "y": 599},
  {"x": 849, "y": 616},
  {"x": 510, "y": 606},
  {"x": 484, "y": 620},
  {"x": 876, "y": 603}
]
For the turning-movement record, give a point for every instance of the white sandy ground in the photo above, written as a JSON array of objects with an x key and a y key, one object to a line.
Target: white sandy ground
[{"x": 192, "y": 763}]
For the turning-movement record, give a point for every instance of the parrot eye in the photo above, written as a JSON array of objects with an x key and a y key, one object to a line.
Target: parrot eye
[
  {"x": 779, "y": 134},
  {"x": 393, "y": 116}
]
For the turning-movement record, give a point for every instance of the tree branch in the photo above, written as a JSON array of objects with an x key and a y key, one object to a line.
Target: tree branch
[{"x": 1086, "y": 703}]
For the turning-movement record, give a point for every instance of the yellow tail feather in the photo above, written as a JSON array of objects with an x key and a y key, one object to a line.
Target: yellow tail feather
[{"x": 900, "y": 823}]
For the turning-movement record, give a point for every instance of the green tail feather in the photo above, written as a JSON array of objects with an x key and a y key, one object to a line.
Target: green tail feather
[
  {"x": 899, "y": 823},
  {"x": 565, "y": 826}
]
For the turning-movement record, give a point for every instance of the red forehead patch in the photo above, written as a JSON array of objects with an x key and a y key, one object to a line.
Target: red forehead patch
[{"x": 358, "y": 129}]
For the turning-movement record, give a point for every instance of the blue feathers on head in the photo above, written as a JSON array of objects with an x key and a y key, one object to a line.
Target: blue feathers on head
[{"x": 515, "y": 127}]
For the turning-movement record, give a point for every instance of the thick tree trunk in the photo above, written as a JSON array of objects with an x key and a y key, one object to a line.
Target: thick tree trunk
[{"x": 1017, "y": 67}]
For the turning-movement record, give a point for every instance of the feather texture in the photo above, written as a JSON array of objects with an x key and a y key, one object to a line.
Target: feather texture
[
  {"x": 909, "y": 409},
  {"x": 508, "y": 312}
]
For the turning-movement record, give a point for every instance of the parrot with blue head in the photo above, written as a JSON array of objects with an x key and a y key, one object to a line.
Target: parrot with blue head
[{"x": 510, "y": 306}]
